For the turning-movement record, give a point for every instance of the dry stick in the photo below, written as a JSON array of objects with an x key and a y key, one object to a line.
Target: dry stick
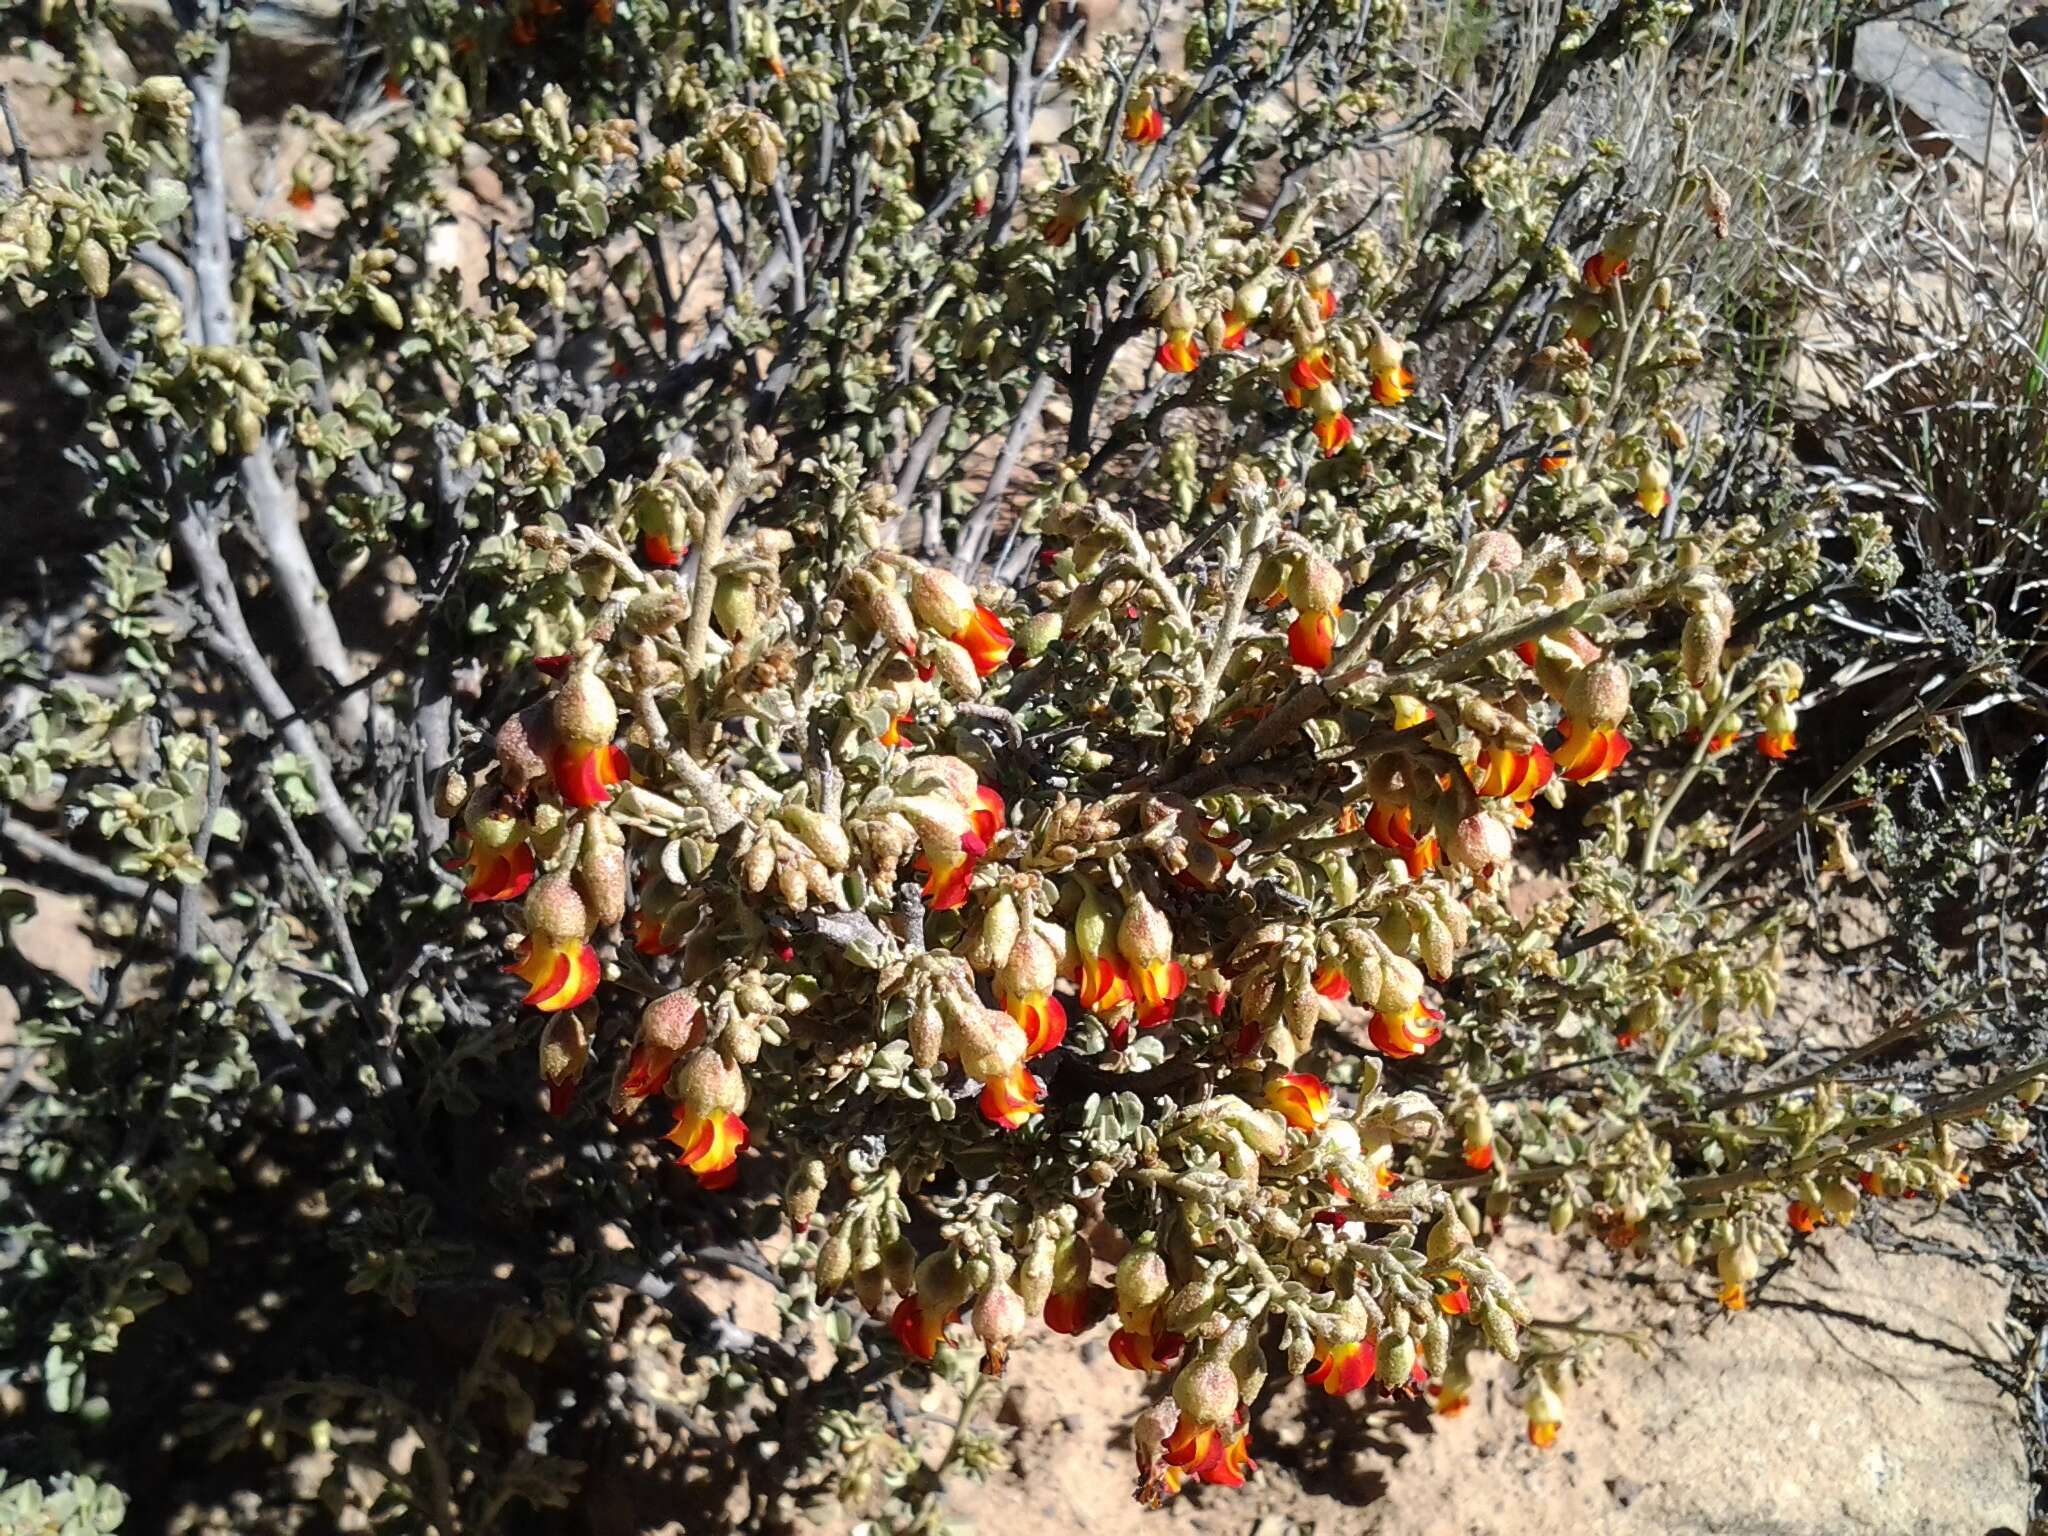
[
  {"x": 974, "y": 536},
  {"x": 1233, "y": 613},
  {"x": 337, "y": 920},
  {"x": 272, "y": 505}
]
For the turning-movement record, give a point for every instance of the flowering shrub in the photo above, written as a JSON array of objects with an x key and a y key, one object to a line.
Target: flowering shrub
[{"x": 1161, "y": 746}]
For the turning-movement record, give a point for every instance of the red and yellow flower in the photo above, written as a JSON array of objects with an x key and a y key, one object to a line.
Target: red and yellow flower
[
  {"x": 1777, "y": 745},
  {"x": 1300, "y": 1098},
  {"x": 1331, "y": 982},
  {"x": 558, "y": 974},
  {"x": 1143, "y": 121},
  {"x": 1391, "y": 382},
  {"x": 1007, "y": 1102},
  {"x": 1136, "y": 1346},
  {"x": 495, "y": 866},
  {"x": 1545, "y": 1411},
  {"x": 1072, "y": 1305},
  {"x": 1341, "y": 1369},
  {"x": 1333, "y": 428},
  {"x": 1653, "y": 486},
  {"x": 1589, "y": 754},
  {"x": 946, "y": 605},
  {"x": 1392, "y": 827},
  {"x": 710, "y": 1143},
  {"x": 1179, "y": 353},
  {"x": 1455, "y": 1300},
  {"x": 1024, "y": 991},
  {"x": 1206, "y": 1454},
  {"x": 1322, "y": 291},
  {"x": 919, "y": 1328},
  {"x": 1408, "y": 1033},
  {"x": 1502, "y": 773},
  {"x": 1144, "y": 938}
]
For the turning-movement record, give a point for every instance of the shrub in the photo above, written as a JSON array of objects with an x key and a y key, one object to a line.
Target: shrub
[{"x": 1105, "y": 696}]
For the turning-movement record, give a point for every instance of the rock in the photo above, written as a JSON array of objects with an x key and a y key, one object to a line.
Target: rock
[
  {"x": 287, "y": 52},
  {"x": 1942, "y": 102}
]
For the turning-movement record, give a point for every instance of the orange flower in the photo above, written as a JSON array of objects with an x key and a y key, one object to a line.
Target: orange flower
[
  {"x": 601, "y": 12},
  {"x": 524, "y": 33},
  {"x": 1333, "y": 431},
  {"x": 1341, "y": 1369},
  {"x": 1138, "y": 1348},
  {"x": 656, "y": 550},
  {"x": 1144, "y": 124},
  {"x": 1312, "y": 638},
  {"x": 1390, "y": 386},
  {"x": 1802, "y": 1217},
  {"x": 1106, "y": 982},
  {"x": 1180, "y": 352},
  {"x": 1602, "y": 268},
  {"x": 1457, "y": 1301},
  {"x": 1202, "y": 1452},
  {"x": 1325, "y": 300},
  {"x": 1587, "y": 757},
  {"x": 1310, "y": 369},
  {"x": 497, "y": 874},
  {"x": 1517, "y": 776},
  {"x": 1402, "y": 1035},
  {"x": 1778, "y": 745},
  {"x": 983, "y": 637},
  {"x": 1234, "y": 331},
  {"x": 1332, "y": 982},
  {"x": 650, "y": 935},
  {"x": 1449, "y": 1404},
  {"x": 1392, "y": 827},
  {"x": 918, "y": 1330},
  {"x": 1155, "y": 989},
  {"x": 647, "y": 1071},
  {"x": 1543, "y": 1435},
  {"x": 948, "y": 876},
  {"x": 1479, "y": 1158},
  {"x": 585, "y": 776},
  {"x": 557, "y": 976},
  {"x": 893, "y": 737},
  {"x": 711, "y": 1144},
  {"x": 1733, "y": 1296},
  {"x": 1301, "y": 1099},
  {"x": 301, "y": 196},
  {"x": 1043, "y": 1016},
  {"x": 1071, "y": 1311},
  {"x": 1007, "y": 1102}
]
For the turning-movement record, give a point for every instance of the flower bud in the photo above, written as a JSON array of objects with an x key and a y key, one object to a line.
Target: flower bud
[
  {"x": 583, "y": 712},
  {"x": 1206, "y": 1391},
  {"x": 1141, "y": 1283},
  {"x": 1701, "y": 643},
  {"x": 1479, "y": 842},
  {"x": 1400, "y": 986},
  {"x": 555, "y": 914},
  {"x": 736, "y": 606},
  {"x": 994, "y": 937},
  {"x": 953, "y": 668},
  {"x": 564, "y": 1048},
  {"x": 823, "y": 835},
  {"x": 1031, "y": 967},
  {"x": 706, "y": 1083},
  {"x": 989, "y": 1043},
  {"x": 999, "y": 1316},
  {"x": 835, "y": 1261},
  {"x": 1038, "y": 633},
  {"x": 1315, "y": 585},
  {"x": 801, "y": 1194},
  {"x": 601, "y": 877},
  {"x": 942, "y": 1281},
  {"x": 879, "y": 603},
  {"x": 520, "y": 746},
  {"x": 1598, "y": 696},
  {"x": 657, "y": 612},
  {"x": 1394, "y": 1361},
  {"x": 1144, "y": 937},
  {"x": 1092, "y": 933},
  {"x": 927, "y": 1035},
  {"x": 942, "y": 601},
  {"x": 451, "y": 793},
  {"x": 673, "y": 1022}
]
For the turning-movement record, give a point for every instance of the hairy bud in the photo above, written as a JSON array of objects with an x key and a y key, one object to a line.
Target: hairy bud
[{"x": 555, "y": 913}]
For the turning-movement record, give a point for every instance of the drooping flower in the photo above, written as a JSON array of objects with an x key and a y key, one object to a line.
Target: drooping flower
[
  {"x": 952, "y": 838},
  {"x": 1180, "y": 352},
  {"x": 1144, "y": 938},
  {"x": 1331, "y": 981},
  {"x": 556, "y": 961},
  {"x": 1588, "y": 755},
  {"x": 1391, "y": 382},
  {"x": 656, "y": 550},
  {"x": 1009, "y": 1101},
  {"x": 1502, "y": 773},
  {"x": 1653, "y": 486},
  {"x": 1402, "y": 1035},
  {"x": 1456, "y": 1299},
  {"x": 946, "y": 605},
  {"x": 1024, "y": 991},
  {"x": 1204, "y": 1453},
  {"x": 1322, "y": 290},
  {"x": 1333, "y": 430},
  {"x": 1140, "y": 1348},
  {"x": 582, "y": 720},
  {"x": 1312, "y": 638},
  {"x": 496, "y": 871},
  {"x": 1802, "y": 1217},
  {"x": 710, "y": 1143},
  {"x": 1310, "y": 370},
  {"x": 1105, "y": 983},
  {"x": 1392, "y": 827},
  {"x": 1143, "y": 121},
  {"x": 1777, "y": 745},
  {"x": 1545, "y": 1410},
  {"x": 1600, "y": 269},
  {"x": 1071, "y": 213},
  {"x": 919, "y": 1328},
  {"x": 586, "y": 775},
  {"x": 1301, "y": 1099},
  {"x": 894, "y": 737},
  {"x": 1341, "y": 1369},
  {"x": 1072, "y": 1305}
]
